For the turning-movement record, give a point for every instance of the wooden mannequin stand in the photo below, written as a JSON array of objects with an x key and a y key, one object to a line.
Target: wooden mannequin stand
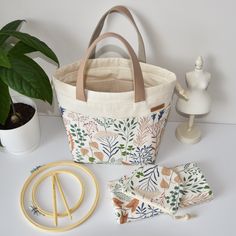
[{"x": 188, "y": 132}]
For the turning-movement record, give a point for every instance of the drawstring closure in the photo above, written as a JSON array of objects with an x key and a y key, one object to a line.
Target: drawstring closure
[{"x": 184, "y": 217}]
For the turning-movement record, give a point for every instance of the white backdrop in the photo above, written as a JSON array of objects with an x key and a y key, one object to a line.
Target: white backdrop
[{"x": 175, "y": 33}]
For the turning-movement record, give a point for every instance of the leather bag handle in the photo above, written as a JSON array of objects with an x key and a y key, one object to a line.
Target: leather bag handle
[
  {"x": 123, "y": 11},
  {"x": 139, "y": 91}
]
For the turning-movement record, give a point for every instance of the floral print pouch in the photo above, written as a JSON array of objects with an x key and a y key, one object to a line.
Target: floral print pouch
[
  {"x": 158, "y": 186},
  {"x": 163, "y": 190}
]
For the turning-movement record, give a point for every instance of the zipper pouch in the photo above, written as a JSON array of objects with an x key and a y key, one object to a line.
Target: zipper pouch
[{"x": 152, "y": 190}]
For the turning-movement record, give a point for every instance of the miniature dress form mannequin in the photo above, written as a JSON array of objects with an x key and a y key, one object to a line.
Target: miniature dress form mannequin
[{"x": 196, "y": 101}]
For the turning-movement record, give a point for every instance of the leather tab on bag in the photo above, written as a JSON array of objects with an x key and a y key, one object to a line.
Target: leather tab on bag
[{"x": 156, "y": 108}]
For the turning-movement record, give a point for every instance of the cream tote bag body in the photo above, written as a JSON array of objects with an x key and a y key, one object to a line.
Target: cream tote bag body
[{"x": 114, "y": 109}]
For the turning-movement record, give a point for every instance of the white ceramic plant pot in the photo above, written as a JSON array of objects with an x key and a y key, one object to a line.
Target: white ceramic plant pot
[{"x": 25, "y": 138}]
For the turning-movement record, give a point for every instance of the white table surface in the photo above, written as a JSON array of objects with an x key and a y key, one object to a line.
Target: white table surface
[{"x": 215, "y": 155}]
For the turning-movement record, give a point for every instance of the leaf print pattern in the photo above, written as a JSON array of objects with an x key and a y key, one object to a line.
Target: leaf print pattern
[
  {"x": 99, "y": 155},
  {"x": 90, "y": 128},
  {"x": 129, "y": 209},
  {"x": 144, "y": 209},
  {"x": 166, "y": 171},
  {"x": 194, "y": 184},
  {"x": 173, "y": 199},
  {"x": 78, "y": 134},
  {"x": 133, "y": 204},
  {"x": 84, "y": 151},
  {"x": 133, "y": 140},
  {"x": 177, "y": 179},
  {"x": 94, "y": 145},
  {"x": 126, "y": 131},
  {"x": 109, "y": 146},
  {"x": 70, "y": 140},
  {"x": 123, "y": 218},
  {"x": 155, "y": 185},
  {"x": 158, "y": 125},
  {"x": 143, "y": 155},
  {"x": 105, "y": 122},
  {"x": 150, "y": 178},
  {"x": 141, "y": 210},
  {"x": 108, "y": 140},
  {"x": 164, "y": 184},
  {"x": 117, "y": 202},
  {"x": 142, "y": 132},
  {"x": 187, "y": 200}
]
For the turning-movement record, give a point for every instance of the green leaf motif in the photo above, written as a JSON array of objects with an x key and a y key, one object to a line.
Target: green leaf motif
[
  {"x": 78, "y": 134},
  {"x": 5, "y": 102},
  {"x": 28, "y": 78},
  {"x": 32, "y": 42},
  {"x": 91, "y": 159},
  {"x": 10, "y": 26}
]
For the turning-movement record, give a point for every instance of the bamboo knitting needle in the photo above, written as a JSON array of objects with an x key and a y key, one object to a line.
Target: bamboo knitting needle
[
  {"x": 54, "y": 199},
  {"x": 63, "y": 196}
]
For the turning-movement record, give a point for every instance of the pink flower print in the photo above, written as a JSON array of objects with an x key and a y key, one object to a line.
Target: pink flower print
[
  {"x": 90, "y": 128},
  {"x": 72, "y": 116},
  {"x": 82, "y": 119}
]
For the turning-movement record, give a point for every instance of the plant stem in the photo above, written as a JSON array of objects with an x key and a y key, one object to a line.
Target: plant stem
[
  {"x": 12, "y": 106},
  {"x": 15, "y": 117}
]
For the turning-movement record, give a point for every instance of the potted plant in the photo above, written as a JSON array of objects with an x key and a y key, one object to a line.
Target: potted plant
[{"x": 19, "y": 127}]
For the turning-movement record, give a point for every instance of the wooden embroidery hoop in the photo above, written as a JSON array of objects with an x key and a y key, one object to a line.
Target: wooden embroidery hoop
[
  {"x": 46, "y": 167},
  {"x": 51, "y": 173}
]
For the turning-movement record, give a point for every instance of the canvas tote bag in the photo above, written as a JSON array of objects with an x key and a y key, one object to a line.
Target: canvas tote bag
[{"x": 114, "y": 109}]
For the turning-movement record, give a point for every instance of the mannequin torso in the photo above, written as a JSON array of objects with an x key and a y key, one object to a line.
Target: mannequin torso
[
  {"x": 198, "y": 79},
  {"x": 199, "y": 101}
]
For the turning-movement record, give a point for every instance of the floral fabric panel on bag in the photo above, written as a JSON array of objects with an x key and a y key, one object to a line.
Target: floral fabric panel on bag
[
  {"x": 192, "y": 190},
  {"x": 133, "y": 140}
]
